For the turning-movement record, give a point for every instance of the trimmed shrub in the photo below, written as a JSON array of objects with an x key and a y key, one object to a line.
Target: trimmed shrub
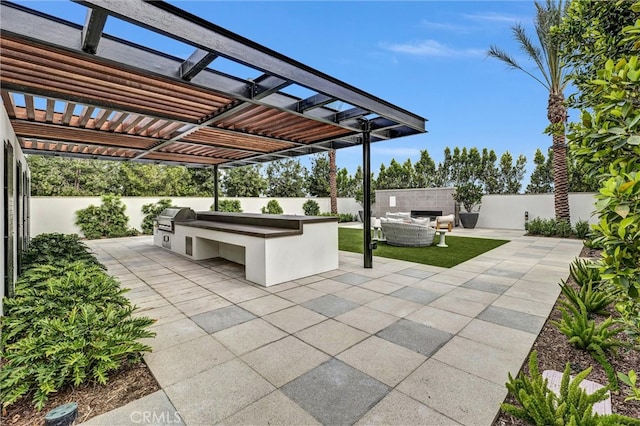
[
  {"x": 342, "y": 217},
  {"x": 152, "y": 211},
  {"x": 311, "y": 208},
  {"x": 106, "y": 221},
  {"x": 272, "y": 207},
  {"x": 230, "y": 206}
]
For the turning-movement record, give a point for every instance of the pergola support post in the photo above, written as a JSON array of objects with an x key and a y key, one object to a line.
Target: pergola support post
[
  {"x": 366, "y": 193},
  {"x": 215, "y": 188}
]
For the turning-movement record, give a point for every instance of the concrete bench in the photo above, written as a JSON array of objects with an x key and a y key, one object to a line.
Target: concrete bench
[{"x": 273, "y": 248}]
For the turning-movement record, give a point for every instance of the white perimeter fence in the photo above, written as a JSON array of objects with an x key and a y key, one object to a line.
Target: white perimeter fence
[{"x": 57, "y": 214}]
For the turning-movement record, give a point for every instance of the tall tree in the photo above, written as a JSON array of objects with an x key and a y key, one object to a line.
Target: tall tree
[
  {"x": 511, "y": 174},
  {"x": 425, "y": 170},
  {"x": 542, "y": 176},
  {"x": 346, "y": 183},
  {"x": 549, "y": 63},
  {"x": 333, "y": 183},
  {"x": 202, "y": 181},
  {"x": 396, "y": 176},
  {"x": 318, "y": 177},
  {"x": 244, "y": 181},
  {"x": 286, "y": 178},
  {"x": 490, "y": 173},
  {"x": 72, "y": 177},
  {"x": 443, "y": 172},
  {"x": 145, "y": 179}
]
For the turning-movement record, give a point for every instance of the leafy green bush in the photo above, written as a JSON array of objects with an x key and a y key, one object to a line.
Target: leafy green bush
[
  {"x": 83, "y": 344},
  {"x": 534, "y": 227},
  {"x": 563, "y": 228},
  {"x": 106, "y": 221},
  {"x": 68, "y": 323},
  {"x": 151, "y": 211},
  {"x": 229, "y": 206},
  {"x": 51, "y": 290},
  {"x": 55, "y": 248},
  {"x": 572, "y": 406},
  {"x": 311, "y": 208},
  {"x": 272, "y": 207},
  {"x": 549, "y": 227},
  {"x": 582, "y": 229}
]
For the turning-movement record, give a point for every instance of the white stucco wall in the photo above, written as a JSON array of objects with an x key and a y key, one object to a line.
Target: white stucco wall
[
  {"x": 507, "y": 211},
  {"x": 57, "y": 214}
]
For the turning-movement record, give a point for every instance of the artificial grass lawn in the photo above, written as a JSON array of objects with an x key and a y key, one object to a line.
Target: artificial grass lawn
[{"x": 460, "y": 249}]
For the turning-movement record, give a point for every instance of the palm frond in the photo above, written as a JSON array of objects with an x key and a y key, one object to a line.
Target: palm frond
[
  {"x": 533, "y": 51},
  {"x": 496, "y": 52},
  {"x": 547, "y": 55}
]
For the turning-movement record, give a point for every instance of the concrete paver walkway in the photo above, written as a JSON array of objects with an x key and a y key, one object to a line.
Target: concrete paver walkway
[{"x": 401, "y": 343}]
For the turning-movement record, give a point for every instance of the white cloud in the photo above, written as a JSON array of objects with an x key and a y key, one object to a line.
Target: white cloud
[
  {"x": 445, "y": 26},
  {"x": 430, "y": 48},
  {"x": 492, "y": 17}
]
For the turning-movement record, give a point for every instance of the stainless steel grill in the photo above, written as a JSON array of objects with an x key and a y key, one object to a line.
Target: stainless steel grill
[{"x": 169, "y": 216}]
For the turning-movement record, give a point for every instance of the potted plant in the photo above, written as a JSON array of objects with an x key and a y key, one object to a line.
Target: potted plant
[{"x": 469, "y": 195}]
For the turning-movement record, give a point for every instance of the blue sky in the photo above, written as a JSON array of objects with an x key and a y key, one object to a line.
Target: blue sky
[{"x": 428, "y": 57}]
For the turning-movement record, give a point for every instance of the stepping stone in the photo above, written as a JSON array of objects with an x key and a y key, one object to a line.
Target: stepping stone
[{"x": 554, "y": 378}]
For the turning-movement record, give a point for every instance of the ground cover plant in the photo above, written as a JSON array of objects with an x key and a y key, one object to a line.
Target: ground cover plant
[
  {"x": 55, "y": 248},
  {"x": 68, "y": 323},
  {"x": 460, "y": 249}
]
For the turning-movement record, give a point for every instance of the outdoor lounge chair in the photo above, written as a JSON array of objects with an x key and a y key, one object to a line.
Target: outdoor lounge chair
[
  {"x": 407, "y": 234},
  {"x": 445, "y": 222}
]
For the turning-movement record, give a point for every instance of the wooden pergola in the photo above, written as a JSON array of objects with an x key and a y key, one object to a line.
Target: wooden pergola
[{"x": 72, "y": 90}]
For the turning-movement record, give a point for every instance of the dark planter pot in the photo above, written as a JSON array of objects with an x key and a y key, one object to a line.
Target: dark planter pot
[{"x": 468, "y": 220}]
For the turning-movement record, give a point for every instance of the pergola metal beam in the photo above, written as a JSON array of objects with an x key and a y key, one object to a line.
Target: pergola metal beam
[
  {"x": 314, "y": 101},
  {"x": 173, "y": 22},
  {"x": 351, "y": 113},
  {"x": 195, "y": 63},
  {"x": 92, "y": 31},
  {"x": 266, "y": 85}
]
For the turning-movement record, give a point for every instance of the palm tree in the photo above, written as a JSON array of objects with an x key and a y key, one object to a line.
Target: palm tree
[{"x": 547, "y": 60}]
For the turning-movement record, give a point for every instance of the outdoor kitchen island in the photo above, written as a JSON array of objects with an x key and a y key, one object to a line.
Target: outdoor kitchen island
[{"x": 273, "y": 248}]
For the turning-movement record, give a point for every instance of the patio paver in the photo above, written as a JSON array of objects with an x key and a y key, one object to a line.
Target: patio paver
[
  {"x": 222, "y": 318},
  {"x": 401, "y": 343},
  {"x": 335, "y": 393}
]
